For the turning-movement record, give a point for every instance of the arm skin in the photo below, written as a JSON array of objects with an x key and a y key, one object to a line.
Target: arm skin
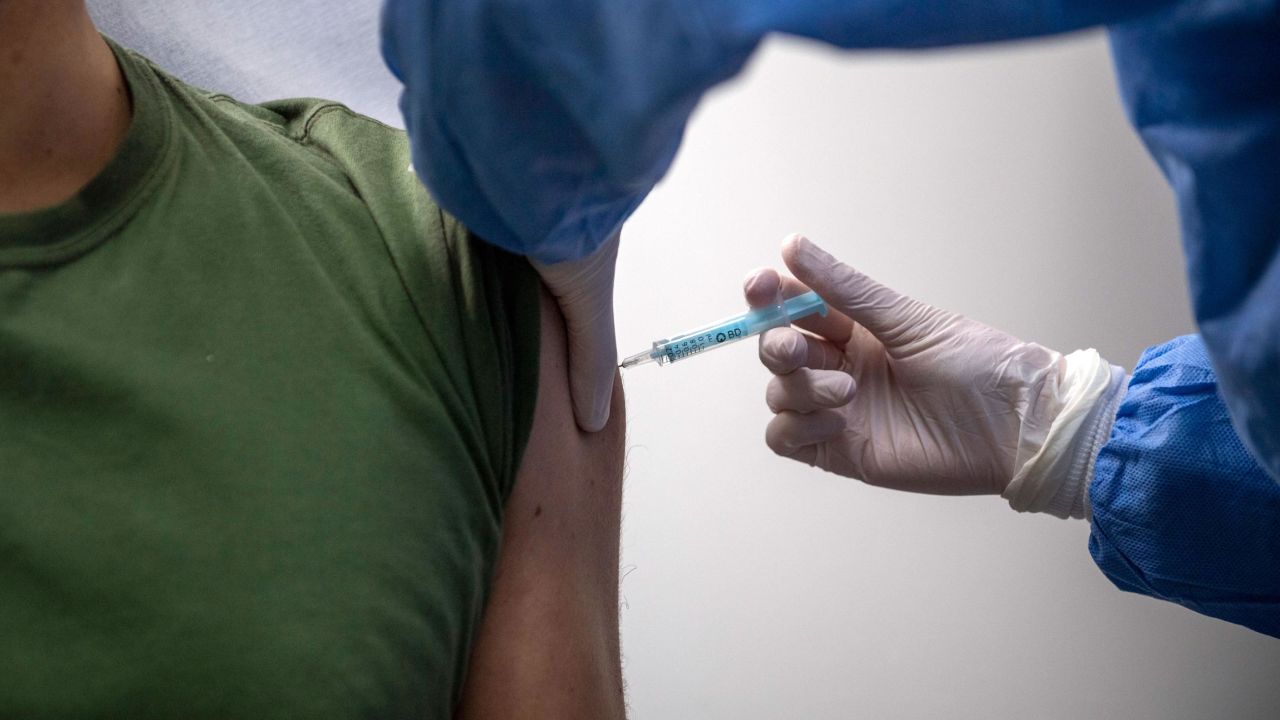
[{"x": 548, "y": 646}]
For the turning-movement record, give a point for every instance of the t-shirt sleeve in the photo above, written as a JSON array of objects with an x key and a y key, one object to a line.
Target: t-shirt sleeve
[{"x": 477, "y": 304}]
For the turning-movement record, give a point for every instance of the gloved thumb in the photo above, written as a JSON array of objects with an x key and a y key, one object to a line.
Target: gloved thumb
[
  {"x": 892, "y": 317},
  {"x": 593, "y": 363},
  {"x": 584, "y": 291}
]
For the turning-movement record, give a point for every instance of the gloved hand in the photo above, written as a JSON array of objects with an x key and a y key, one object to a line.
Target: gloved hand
[
  {"x": 897, "y": 393},
  {"x": 584, "y": 290}
]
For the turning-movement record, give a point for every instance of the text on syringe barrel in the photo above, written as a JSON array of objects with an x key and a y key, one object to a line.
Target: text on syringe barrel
[{"x": 690, "y": 345}]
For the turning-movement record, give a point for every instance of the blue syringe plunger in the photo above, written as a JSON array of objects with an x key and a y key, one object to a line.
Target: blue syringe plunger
[{"x": 729, "y": 330}]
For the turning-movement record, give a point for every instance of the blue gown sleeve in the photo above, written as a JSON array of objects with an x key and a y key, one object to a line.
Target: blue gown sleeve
[
  {"x": 542, "y": 124},
  {"x": 1201, "y": 84},
  {"x": 1181, "y": 510}
]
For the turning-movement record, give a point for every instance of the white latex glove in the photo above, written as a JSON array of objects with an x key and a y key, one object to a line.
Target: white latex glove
[
  {"x": 897, "y": 393},
  {"x": 584, "y": 290}
]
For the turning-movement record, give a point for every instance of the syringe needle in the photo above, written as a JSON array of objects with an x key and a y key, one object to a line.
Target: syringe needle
[{"x": 639, "y": 358}]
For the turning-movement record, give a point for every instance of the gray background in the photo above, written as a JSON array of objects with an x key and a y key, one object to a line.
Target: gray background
[{"x": 1002, "y": 183}]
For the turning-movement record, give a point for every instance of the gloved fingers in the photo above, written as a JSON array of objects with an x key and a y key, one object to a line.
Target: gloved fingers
[
  {"x": 785, "y": 350},
  {"x": 593, "y": 362},
  {"x": 807, "y": 455},
  {"x": 790, "y": 432},
  {"x": 584, "y": 291},
  {"x": 762, "y": 287},
  {"x": 766, "y": 286},
  {"x": 806, "y": 390},
  {"x": 892, "y": 317}
]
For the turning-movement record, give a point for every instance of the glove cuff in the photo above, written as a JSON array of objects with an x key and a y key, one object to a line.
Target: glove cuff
[
  {"x": 1055, "y": 478},
  {"x": 1072, "y": 498}
]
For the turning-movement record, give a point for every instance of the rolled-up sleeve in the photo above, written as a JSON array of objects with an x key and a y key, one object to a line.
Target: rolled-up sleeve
[{"x": 1181, "y": 509}]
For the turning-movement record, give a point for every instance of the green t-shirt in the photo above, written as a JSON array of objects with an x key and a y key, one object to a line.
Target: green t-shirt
[{"x": 261, "y": 403}]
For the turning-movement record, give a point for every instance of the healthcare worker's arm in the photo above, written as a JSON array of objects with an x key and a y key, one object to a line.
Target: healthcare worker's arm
[
  {"x": 544, "y": 123},
  {"x": 900, "y": 394},
  {"x": 1181, "y": 510}
]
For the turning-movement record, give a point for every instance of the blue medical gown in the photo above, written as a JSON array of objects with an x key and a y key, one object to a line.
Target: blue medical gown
[
  {"x": 544, "y": 123},
  {"x": 1181, "y": 511}
]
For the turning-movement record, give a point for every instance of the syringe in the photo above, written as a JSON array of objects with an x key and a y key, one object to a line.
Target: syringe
[{"x": 729, "y": 331}]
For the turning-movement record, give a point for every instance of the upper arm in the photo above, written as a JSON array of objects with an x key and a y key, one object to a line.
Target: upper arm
[
  {"x": 528, "y": 484},
  {"x": 548, "y": 645}
]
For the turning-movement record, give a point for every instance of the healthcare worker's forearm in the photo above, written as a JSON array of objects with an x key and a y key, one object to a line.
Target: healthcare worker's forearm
[
  {"x": 1180, "y": 509},
  {"x": 543, "y": 124}
]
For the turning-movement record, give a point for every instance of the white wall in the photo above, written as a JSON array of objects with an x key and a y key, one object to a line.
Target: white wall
[{"x": 1003, "y": 183}]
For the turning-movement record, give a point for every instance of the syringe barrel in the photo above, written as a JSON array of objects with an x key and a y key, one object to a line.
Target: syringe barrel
[{"x": 737, "y": 328}]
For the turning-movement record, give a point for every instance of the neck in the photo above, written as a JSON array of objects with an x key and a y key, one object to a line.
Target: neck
[{"x": 64, "y": 105}]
